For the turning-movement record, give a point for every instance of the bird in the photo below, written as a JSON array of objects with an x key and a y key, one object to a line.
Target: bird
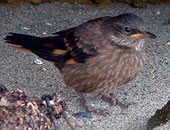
[{"x": 94, "y": 57}]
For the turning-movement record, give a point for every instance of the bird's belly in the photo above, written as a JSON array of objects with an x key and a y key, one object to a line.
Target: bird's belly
[{"x": 101, "y": 79}]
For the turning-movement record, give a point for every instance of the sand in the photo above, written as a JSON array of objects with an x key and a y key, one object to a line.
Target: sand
[{"x": 150, "y": 90}]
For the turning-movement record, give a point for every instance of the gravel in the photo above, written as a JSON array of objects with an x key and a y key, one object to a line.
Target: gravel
[{"x": 150, "y": 90}]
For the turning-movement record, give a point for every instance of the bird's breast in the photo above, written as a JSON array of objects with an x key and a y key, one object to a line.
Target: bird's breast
[{"x": 103, "y": 73}]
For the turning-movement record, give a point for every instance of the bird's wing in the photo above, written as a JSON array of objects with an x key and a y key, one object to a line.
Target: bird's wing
[
  {"x": 70, "y": 46},
  {"x": 84, "y": 41},
  {"x": 80, "y": 47}
]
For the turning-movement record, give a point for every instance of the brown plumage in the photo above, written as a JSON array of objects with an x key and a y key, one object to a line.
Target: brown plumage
[{"x": 96, "y": 56}]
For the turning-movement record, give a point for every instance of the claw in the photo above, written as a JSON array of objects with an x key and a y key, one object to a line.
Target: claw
[
  {"x": 112, "y": 100},
  {"x": 90, "y": 108}
]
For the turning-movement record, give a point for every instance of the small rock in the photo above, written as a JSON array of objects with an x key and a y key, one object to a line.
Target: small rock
[
  {"x": 25, "y": 28},
  {"x": 158, "y": 13},
  {"x": 169, "y": 40},
  {"x": 83, "y": 114},
  {"x": 48, "y": 24},
  {"x": 153, "y": 77},
  {"x": 44, "y": 69},
  {"x": 38, "y": 62}
]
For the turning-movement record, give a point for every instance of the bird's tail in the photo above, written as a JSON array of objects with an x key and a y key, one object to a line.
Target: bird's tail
[{"x": 48, "y": 48}]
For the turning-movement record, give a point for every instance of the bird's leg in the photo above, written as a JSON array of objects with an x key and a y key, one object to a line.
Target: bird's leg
[
  {"x": 89, "y": 107},
  {"x": 112, "y": 100}
]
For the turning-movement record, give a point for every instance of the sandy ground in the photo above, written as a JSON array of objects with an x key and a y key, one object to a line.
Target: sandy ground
[{"x": 150, "y": 90}]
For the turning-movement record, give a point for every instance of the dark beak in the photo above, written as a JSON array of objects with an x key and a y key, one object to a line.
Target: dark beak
[
  {"x": 144, "y": 34},
  {"x": 149, "y": 35}
]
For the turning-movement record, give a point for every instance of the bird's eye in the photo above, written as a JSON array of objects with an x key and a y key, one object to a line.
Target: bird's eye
[{"x": 127, "y": 30}]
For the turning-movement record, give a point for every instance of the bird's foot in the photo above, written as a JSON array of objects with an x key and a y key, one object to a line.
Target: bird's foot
[
  {"x": 90, "y": 108},
  {"x": 97, "y": 111},
  {"x": 112, "y": 100}
]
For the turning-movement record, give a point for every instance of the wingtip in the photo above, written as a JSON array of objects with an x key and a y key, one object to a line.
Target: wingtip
[
  {"x": 6, "y": 39},
  {"x": 8, "y": 36}
]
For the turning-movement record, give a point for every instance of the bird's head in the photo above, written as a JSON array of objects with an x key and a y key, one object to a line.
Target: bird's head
[{"x": 129, "y": 31}]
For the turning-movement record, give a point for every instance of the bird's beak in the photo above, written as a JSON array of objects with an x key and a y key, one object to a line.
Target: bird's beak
[{"x": 143, "y": 34}]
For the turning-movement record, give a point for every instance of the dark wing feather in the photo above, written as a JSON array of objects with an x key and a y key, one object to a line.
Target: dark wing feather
[
  {"x": 83, "y": 41},
  {"x": 79, "y": 50}
]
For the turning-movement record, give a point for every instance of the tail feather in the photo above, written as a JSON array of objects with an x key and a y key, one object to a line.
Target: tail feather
[
  {"x": 48, "y": 48},
  {"x": 29, "y": 42}
]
